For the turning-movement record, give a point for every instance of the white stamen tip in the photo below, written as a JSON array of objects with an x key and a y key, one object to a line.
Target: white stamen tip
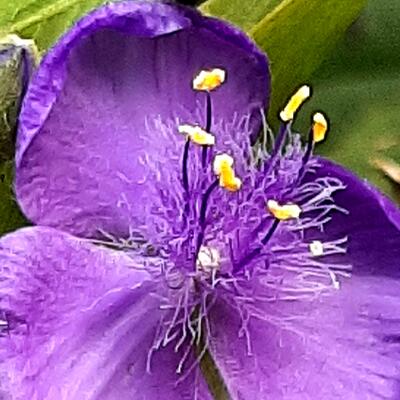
[
  {"x": 316, "y": 248},
  {"x": 208, "y": 259}
]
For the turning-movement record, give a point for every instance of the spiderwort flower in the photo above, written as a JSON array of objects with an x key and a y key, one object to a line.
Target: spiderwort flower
[{"x": 161, "y": 229}]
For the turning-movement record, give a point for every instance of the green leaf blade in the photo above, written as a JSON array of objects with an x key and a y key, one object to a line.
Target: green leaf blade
[
  {"x": 254, "y": 11},
  {"x": 297, "y": 35},
  {"x": 42, "y": 20}
]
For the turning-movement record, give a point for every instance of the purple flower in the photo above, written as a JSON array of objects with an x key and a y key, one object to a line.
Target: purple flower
[{"x": 161, "y": 229}]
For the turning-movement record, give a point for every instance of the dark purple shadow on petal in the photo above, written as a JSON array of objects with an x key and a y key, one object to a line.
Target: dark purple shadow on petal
[
  {"x": 372, "y": 225},
  {"x": 82, "y": 127}
]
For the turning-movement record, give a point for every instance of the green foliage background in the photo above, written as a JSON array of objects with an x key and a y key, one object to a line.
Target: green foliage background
[{"x": 359, "y": 86}]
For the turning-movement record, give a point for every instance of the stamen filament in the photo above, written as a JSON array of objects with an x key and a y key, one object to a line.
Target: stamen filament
[
  {"x": 255, "y": 252},
  {"x": 271, "y": 231},
  {"x": 204, "y": 201},
  {"x": 307, "y": 155},
  {"x": 208, "y": 127},
  {"x": 279, "y": 144},
  {"x": 202, "y": 218},
  {"x": 208, "y": 112},
  {"x": 185, "y": 177},
  {"x": 316, "y": 134}
]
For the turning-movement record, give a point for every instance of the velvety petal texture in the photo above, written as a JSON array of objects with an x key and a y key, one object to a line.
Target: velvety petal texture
[
  {"x": 372, "y": 224},
  {"x": 78, "y": 322},
  {"x": 96, "y": 111},
  {"x": 341, "y": 344}
]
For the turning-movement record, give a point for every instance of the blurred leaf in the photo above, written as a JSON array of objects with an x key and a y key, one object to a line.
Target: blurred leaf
[
  {"x": 389, "y": 167},
  {"x": 15, "y": 63},
  {"x": 242, "y": 13},
  {"x": 10, "y": 216},
  {"x": 365, "y": 122},
  {"x": 42, "y": 20},
  {"x": 296, "y": 34},
  {"x": 358, "y": 87}
]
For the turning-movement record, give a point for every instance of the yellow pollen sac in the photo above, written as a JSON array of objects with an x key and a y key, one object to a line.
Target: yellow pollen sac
[
  {"x": 294, "y": 103},
  {"x": 197, "y": 135},
  {"x": 283, "y": 212},
  {"x": 208, "y": 80},
  {"x": 320, "y": 127},
  {"x": 316, "y": 248},
  {"x": 223, "y": 167}
]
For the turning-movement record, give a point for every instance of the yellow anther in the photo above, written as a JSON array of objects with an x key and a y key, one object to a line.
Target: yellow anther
[
  {"x": 320, "y": 127},
  {"x": 197, "y": 135},
  {"x": 283, "y": 212},
  {"x": 223, "y": 168},
  {"x": 294, "y": 103},
  {"x": 208, "y": 80},
  {"x": 316, "y": 248}
]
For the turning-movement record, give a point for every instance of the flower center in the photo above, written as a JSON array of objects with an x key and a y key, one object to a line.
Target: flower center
[
  {"x": 223, "y": 175},
  {"x": 241, "y": 224}
]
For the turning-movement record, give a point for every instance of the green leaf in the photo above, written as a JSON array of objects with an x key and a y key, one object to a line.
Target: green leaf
[
  {"x": 358, "y": 87},
  {"x": 42, "y": 20},
  {"x": 241, "y": 13},
  {"x": 12, "y": 74},
  {"x": 296, "y": 34},
  {"x": 10, "y": 216}
]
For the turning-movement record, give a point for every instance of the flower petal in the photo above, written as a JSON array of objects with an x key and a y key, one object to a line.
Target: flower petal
[
  {"x": 78, "y": 322},
  {"x": 89, "y": 121},
  {"x": 372, "y": 224},
  {"x": 344, "y": 345}
]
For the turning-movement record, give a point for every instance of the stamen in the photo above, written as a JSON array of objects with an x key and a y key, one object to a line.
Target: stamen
[
  {"x": 317, "y": 134},
  {"x": 287, "y": 115},
  {"x": 208, "y": 259},
  {"x": 283, "y": 212},
  {"x": 223, "y": 168},
  {"x": 316, "y": 248},
  {"x": 208, "y": 80},
  {"x": 320, "y": 127},
  {"x": 302, "y": 94},
  {"x": 197, "y": 135}
]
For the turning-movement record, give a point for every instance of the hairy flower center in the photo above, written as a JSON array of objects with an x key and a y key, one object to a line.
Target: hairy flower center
[{"x": 239, "y": 220}]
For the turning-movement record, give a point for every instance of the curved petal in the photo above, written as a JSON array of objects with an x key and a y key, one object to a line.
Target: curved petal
[
  {"x": 99, "y": 105},
  {"x": 78, "y": 322},
  {"x": 341, "y": 346},
  {"x": 372, "y": 224}
]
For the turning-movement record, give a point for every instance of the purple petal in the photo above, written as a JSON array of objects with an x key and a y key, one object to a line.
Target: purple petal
[
  {"x": 78, "y": 321},
  {"x": 372, "y": 224},
  {"x": 344, "y": 345},
  {"x": 338, "y": 343},
  {"x": 90, "y": 121}
]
